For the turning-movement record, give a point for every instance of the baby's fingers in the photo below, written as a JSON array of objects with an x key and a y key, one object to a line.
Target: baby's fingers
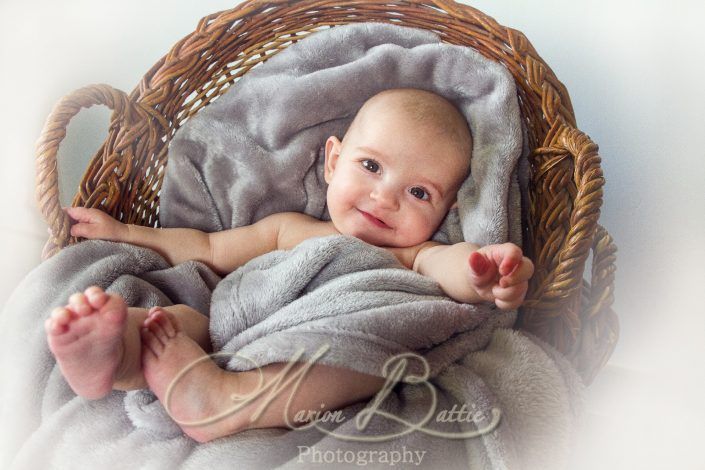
[
  {"x": 508, "y": 257},
  {"x": 82, "y": 214},
  {"x": 482, "y": 270},
  {"x": 522, "y": 273},
  {"x": 84, "y": 230},
  {"x": 508, "y": 298}
]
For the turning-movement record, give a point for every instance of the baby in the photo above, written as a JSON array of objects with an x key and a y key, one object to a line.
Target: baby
[{"x": 391, "y": 182}]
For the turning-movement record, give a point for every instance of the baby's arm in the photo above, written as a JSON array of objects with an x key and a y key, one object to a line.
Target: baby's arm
[
  {"x": 221, "y": 251},
  {"x": 470, "y": 274}
]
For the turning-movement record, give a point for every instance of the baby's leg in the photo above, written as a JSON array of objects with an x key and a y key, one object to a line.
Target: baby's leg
[
  {"x": 95, "y": 339},
  {"x": 201, "y": 399}
]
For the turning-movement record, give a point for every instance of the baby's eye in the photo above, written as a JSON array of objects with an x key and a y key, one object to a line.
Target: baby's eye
[
  {"x": 370, "y": 165},
  {"x": 420, "y": 193}
]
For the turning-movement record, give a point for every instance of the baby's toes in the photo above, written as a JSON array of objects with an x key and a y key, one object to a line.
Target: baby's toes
[
  {"x": 96, "y": 297},
  {"x": 167, "y": 321},
  {"x": 78, "y": 303},
  {"x": 152, "y": 347},
  {"x": 155, "y": 326},
  {"x": 114, "y": 309},
  {"x": 58, "y": 322}
]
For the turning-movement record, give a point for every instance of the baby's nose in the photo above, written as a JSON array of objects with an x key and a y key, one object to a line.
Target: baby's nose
[{"x": 385, "y": 197}]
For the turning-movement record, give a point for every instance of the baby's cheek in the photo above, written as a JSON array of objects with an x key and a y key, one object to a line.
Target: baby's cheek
[
  {"x": 417, "y": 229},
  {"x": 349, "y": 185},
  {"x": 429, "y": 220}
]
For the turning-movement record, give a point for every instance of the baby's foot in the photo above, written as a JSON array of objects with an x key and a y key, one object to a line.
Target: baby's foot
[
  {"x": 86, "y": 338},
  {"x": 196, "y": 396}
]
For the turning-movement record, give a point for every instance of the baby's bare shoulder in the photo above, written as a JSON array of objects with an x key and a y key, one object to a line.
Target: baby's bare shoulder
[
  {"x": 295, "y": 217},
  {"x": 294, "y": 221},
  {"x": 296, "y": 227}
]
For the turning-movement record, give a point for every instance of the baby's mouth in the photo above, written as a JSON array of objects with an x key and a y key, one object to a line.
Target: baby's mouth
[{"x": 374, "y": 220}]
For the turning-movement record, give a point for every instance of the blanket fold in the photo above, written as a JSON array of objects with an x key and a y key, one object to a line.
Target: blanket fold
[{"x": 354, "y": 299}]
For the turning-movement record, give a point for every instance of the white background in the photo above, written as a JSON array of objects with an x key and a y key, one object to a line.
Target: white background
[{"x": 634, "y": 72}]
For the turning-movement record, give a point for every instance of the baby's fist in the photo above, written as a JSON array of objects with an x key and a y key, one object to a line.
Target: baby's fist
[
  {"x": 500, "y": 274},
  {"x": 96, "y": 224}
]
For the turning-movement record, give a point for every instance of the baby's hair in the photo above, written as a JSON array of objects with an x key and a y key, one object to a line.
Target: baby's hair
[{"x": 428, "y": 108}]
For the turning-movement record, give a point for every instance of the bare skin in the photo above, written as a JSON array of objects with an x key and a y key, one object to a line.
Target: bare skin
[{"x": 165, "y": 352}]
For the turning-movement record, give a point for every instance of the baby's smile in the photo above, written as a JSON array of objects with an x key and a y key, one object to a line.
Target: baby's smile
[{"x": 374, "y": 220}]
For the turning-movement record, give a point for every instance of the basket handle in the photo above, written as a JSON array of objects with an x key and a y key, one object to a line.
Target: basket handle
[
  {"x": 567, "y": 143},
  {"x": 53, "y": 133},
  {"x": 546, "y": 312},
  {"x": 600, "y": 325}
]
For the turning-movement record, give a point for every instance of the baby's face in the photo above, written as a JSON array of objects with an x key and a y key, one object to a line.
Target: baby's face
[{"x": 393, "y": 182}]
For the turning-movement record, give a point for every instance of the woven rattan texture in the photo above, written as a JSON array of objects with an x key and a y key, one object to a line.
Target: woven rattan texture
[{"x": 125, "y": 176}]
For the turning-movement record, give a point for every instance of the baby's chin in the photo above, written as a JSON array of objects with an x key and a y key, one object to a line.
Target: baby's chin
[
  {"x": 383, "y": 241},
  {"x": 389, "y": 237}
]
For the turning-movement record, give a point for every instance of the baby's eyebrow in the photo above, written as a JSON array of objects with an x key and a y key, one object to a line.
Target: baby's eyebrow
[{"x": 371, "y": 150}]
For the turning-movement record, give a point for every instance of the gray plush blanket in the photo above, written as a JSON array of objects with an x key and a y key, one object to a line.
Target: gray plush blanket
[{"x": 246, "y": 156}]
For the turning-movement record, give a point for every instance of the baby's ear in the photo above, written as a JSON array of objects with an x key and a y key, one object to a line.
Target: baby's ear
[{"x": 332, "y": 153}]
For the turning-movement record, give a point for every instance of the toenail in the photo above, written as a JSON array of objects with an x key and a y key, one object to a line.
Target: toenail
[
  {"x": 76, "y": 298},
  {"x": 58, "y": 312}
]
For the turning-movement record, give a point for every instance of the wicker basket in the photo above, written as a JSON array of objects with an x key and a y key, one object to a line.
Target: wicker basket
[{"x": 125, "y": 176}]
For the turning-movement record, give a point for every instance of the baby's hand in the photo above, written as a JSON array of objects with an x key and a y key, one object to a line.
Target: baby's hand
[
  {"x": 96, "y": 224},
  {"x": 500, "y": 274}
]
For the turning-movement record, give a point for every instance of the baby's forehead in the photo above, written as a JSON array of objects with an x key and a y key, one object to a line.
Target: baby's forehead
[
  {"x": 376, "y": 122},
  {"x": 427, "y": 118}
]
